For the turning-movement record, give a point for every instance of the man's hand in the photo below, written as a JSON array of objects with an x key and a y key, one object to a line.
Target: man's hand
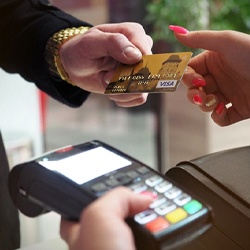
[{"x": 90, "y": 59}]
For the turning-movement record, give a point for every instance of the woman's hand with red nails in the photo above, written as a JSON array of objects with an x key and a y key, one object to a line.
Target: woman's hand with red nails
[{"x": 224, "y": 66}]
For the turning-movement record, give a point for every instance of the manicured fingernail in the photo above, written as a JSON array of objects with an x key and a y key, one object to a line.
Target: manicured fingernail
[
  {"x": 178, "y": 29},
  {"x": 219, "y": 109},
  {"x": 198, "y": 82},
  {"x": 197, "y": 100},
  {"x": 132, "y": 52},
  {"x": 210, "y": 100}
]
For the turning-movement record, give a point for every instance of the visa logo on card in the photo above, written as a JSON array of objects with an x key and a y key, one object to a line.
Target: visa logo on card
[{"x": 167, "y": 84}]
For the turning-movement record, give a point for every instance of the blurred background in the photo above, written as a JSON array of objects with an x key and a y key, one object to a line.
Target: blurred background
[{"x": 161, "y": 133}]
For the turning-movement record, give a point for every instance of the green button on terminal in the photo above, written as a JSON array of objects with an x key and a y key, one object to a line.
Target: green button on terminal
[{"x": 192, "y": 207}]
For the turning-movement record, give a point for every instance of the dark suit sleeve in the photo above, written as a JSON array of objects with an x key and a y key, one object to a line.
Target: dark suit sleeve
[{"x": 25, "y": 27}]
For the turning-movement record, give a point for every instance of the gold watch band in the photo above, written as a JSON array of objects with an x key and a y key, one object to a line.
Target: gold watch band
[{"x": 53, "y": 46}]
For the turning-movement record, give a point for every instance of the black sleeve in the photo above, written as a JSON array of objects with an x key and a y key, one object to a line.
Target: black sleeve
[
  {"x": 25, "y": 27},
  {"x": 9, "y": 219}
]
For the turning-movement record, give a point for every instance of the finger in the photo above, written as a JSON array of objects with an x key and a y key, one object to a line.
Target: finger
[
  {"x": 130, "y": 203},
  {"x": 206, "y": 39},
  {"x": 207, "y": 103},
  {"x": 196, "y": 96},
  {"x": 69, "y": 230},
  {"x": 226, "y": 116},
  {"x": 199, "y": 64},
  {"x": 106, "y": 77},
  {"x": 122, "y": 100},
  {"x": 211, "y": 102},
  {"x": 192, "y": 79},
  {"x": 199, "y": 77},
  {"x": 122, "y": 202},
  {"x": 150, "y": 44},
  {"x": 129, "y": 100}
]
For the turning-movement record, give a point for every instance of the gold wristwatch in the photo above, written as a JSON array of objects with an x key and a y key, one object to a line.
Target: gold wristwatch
[{"x": 53, "y": 46}]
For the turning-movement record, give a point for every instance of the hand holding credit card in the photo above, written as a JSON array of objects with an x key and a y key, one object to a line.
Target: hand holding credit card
[{"x": 153, "y": 74}]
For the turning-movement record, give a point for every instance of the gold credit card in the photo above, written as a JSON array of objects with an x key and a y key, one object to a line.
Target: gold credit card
[{"x": 153, "y": 74}]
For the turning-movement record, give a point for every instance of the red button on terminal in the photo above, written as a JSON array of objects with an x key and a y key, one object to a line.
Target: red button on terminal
[{"x": 157, "y": 225}]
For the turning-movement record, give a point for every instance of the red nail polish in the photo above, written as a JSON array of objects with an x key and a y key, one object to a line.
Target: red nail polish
[
  {"x": 198, "y": 82},
  {"x": 178, "y": 29},
  {"x": 197, "y": 100},
  {"x": 219, "y": 109}
]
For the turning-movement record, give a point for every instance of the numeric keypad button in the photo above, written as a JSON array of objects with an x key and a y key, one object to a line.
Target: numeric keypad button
[
  {"x": 163, "y": 186},
  {"x": 172, "y": 193},
  {"x": 165, "y": 208},
  {"x": 153, "y": 180},
  {"x": 145, "y": 216}
]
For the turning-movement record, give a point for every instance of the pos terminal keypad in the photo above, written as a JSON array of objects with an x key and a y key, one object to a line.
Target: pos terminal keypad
[{"x": 171, "y": 204}]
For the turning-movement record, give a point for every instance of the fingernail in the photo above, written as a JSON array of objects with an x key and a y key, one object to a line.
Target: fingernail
[
  {"x": 152, "y": 195},
  {"x": 178, "y": 29},
  {"x": 107, "y": 80},
  {"x": 210, "y": 100},
  {"x": 219, "y": 109},
  {"x": 197, "y": 100},
  {"x": 132, "y": 52},
  {"x": 198, "y": 82}
]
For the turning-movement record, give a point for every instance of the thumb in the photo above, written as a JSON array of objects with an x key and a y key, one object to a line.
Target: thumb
[
  {"x": 121, "y": 49},
  {"x": 124, "y": 202},
  {"x": 96, "y": 44}
]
